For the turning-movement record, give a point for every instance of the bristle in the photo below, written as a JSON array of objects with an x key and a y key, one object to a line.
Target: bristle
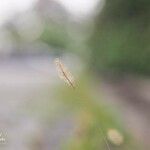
[{"x": 64, "y": 74}]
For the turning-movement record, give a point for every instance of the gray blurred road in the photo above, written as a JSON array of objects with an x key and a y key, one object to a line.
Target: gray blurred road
[{"x": 23, "y": 80}]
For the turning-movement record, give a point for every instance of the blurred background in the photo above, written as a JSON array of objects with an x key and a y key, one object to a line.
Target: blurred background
[{"x": 105, "y": 44}]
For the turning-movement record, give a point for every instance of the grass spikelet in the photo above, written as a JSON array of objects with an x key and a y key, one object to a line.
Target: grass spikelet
[
  {"x": 115, "y": 137},
  {"x": 64, "y": 73}
]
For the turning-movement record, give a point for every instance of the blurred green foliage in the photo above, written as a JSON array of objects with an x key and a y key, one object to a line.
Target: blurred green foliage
[
  {"x": 92, "y": 118},
  {"x": 55, "y": 35},
  {"x": 120, "y": 42}
]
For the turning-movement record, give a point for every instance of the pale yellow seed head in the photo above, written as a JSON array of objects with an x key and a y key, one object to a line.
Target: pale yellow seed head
[
  {"x": 64, "y": 73},
  {"x": 115, "y": 137}
]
